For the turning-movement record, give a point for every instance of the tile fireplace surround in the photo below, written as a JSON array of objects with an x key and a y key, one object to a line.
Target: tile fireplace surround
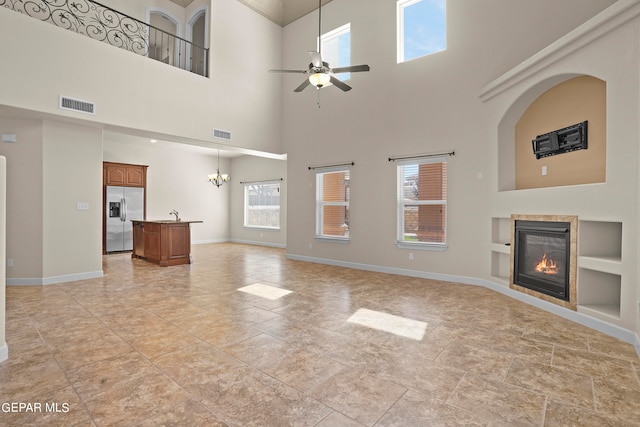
[{"x": 573, "y": 258}]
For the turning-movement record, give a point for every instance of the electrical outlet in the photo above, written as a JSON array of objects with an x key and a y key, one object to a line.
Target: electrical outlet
[
  {"x": 544, "y": 170},
  {"x": 310, "y": 245},
  {"x": 410, "y": 256},
  {"x": 9, "y": 262}
]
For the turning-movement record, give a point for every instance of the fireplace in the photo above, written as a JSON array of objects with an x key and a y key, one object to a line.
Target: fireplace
[{"x": 543, "y": 257}]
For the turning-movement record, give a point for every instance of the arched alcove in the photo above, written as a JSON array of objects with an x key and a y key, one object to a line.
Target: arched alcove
[
  {"x": 549, "y": 105},
  {"x": 197, "y": 32},
  {"x": 163, "y": 44}
]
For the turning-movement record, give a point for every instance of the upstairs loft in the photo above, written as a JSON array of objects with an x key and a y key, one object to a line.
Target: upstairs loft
[
  {"x": 102, "y": 23},
  {"x": 134, "y": 94}
]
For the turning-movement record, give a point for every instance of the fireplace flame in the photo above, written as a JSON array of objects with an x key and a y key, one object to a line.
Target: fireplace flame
[{"x": 546, "y": 266}]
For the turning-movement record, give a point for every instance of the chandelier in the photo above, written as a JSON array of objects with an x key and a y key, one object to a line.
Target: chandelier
[{"x": 217, "y": 178}]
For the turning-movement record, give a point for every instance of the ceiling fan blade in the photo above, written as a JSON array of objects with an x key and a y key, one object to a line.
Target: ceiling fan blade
[
  {"x": 340, "y": 85},
  {"x": 304, "y": 84},
  {"x": 289, "y": 71},
  {"x": 316, "y": 59},
  {"x": 351, "y": 69}
]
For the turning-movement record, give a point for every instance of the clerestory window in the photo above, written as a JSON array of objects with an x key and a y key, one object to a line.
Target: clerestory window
[
  {"x": 421, "y": 28},
  {"x": 336, "y": 49}
]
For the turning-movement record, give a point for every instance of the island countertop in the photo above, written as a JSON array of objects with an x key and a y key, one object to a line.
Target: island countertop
[
  {"x": 165, "y": 221},
  {"x": 164, "y": 242}
]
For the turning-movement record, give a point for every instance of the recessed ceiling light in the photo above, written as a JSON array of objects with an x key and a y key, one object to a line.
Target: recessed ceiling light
[{"x": 153, "y": 140}]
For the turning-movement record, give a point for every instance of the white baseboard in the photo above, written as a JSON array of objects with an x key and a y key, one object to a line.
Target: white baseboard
[
  {"x": 581, "y": 318},
  {"x": 4, "y": 352},
  {"x": 259, "y": 243},
  {"x": 204, "y": 242},
  {"x": 53, "y": 280}
]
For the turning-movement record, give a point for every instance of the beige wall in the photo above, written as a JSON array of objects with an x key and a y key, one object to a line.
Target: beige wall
[
  {"x": 72, "y": 173},
  {"x": 24, "y": 197},
  {"x": 571, "y": 102},
  {"x": 428, "y": 105},
  {"x": 51, "y": 168}
]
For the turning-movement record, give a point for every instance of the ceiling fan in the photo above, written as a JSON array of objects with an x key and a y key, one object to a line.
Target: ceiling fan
[{"x": 319, "y": 71}]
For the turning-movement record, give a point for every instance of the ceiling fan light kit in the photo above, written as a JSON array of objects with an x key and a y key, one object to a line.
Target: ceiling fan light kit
[
  {"x": 320, "y": 73},
  {"x": 320, "y": 79}
]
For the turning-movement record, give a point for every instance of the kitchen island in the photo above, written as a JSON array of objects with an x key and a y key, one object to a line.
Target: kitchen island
[{"x": 163, "y": 242}]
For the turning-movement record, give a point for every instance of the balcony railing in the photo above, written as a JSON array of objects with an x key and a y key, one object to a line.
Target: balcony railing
[{"x": 102, "y": 23}]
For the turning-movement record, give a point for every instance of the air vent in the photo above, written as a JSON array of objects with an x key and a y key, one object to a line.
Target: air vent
[
  {"x": 222, "y": 134},
  {"x": 67, "y": 103}
]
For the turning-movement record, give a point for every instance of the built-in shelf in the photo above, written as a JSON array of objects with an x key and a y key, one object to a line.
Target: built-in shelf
[
  {"x": 610, "y": 265},
  {"x": 605, "y": 312},
  {"x": 500, "y": 251},
  {"x": 501, "y": 248},
  {"x": 600, "y": 239},
  {"x": 600, "y": 268},
  {"x": 599, "y": 291}
]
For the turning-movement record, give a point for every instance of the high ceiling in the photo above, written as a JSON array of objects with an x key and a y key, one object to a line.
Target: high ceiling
[{"x": 282, "y": 12}]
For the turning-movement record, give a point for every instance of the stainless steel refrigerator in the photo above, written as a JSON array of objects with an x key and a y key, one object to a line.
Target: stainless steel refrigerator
[{"x": 122, "y": 204}]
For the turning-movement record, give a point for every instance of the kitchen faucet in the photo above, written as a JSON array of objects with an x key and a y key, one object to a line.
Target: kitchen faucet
[{"x": 175, "y": 212}]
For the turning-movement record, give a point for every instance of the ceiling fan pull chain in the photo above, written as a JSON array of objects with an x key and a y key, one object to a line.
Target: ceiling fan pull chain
[{"x": 318, "y": 97}]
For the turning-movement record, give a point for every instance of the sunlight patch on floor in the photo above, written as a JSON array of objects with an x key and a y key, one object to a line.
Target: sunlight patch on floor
[
  {"x": 265, "y": 291},
  {"x": 386, "y": 322}
]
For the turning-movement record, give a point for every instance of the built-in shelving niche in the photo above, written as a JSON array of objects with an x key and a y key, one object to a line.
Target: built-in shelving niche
[
  {"x": 599, "y": 264},
  {"x": 600, "y": 268},
  {"x": 500, "y": 249}
]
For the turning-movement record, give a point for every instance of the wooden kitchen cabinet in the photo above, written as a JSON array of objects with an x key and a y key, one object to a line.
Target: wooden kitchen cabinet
[
  {"x": 162, "y": 242},
  {"x": 124, "y": 174},
  {"x": 121, "y": 175}
]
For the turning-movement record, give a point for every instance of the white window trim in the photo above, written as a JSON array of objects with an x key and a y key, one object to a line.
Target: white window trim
[
  {"x": 430, "y": 246},
  {"x": 400, "y": 6},
  {"x": 246, "y": 207},
  {"x": 320, "y": 206}
]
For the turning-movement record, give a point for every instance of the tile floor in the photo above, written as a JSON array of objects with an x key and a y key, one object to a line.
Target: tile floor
[{"x": 150, "y": 346}]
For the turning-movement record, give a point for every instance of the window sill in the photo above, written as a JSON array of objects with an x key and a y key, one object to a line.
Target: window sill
[
  {"x": 437, "y": 247},
  {"x": 255, "y": 228},
  {"x": 333, "y": 239}
]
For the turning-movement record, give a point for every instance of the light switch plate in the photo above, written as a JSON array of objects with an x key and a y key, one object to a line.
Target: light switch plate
[{"x": 82, "y": 206}]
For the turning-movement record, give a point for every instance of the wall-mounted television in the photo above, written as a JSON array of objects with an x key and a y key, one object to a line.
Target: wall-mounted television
[{"x": 560, "y": 141}]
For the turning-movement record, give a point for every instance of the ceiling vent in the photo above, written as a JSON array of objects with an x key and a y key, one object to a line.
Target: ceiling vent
[
  {"x": 222, "y": 134},
  {"x": 67, "y": 103}
]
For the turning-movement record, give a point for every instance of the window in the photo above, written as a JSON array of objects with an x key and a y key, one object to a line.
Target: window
[
  {"x": 421, "y": 28},
  {"x": 332, "y": 203},
  {"x": 336, "y": 49},
  {"x": 422, "y": 203},
  {"x": 262, "y": 205}
]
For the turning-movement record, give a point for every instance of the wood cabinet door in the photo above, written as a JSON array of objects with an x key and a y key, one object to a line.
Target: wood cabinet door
[
  {"x": 116, "y": 175},
  {"x": 135, "y": 176}
]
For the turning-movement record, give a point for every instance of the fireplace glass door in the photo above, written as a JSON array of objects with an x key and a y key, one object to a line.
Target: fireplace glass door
[{"x": 541, "y": 258}]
